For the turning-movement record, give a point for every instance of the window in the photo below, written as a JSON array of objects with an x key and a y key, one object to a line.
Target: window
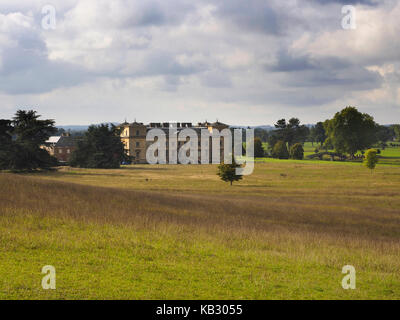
[
  {"x": 137, "y": 144},
  {"x": 137, "y": 132},
  {"x": 68, "y": 151},
  {"x": 60, "y": 151}
]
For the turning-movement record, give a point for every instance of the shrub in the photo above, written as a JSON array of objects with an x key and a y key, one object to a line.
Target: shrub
[
  {"x": 371, "y": 159},
  {"x": 280, "y": 150},
  {"x": 297, "y": 151}
]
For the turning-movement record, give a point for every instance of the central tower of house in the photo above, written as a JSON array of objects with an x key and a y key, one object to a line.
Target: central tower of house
[{"x": 133, "y": 135}]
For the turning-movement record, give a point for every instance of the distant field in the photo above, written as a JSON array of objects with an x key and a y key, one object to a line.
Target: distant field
[
  {"x": 390, "y": 156},
  {"x": 178, "y": 232}
]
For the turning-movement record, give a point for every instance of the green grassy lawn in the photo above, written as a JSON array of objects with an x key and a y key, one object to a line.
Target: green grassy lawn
[
  {"x": 389, "y": 156},
  {"x": 178, "y": 232}
]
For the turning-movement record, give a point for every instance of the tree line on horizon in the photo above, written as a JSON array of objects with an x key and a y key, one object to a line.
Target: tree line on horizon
[
  {"x": 347, "y": 133},
  {"x": 22, "y": 138}
]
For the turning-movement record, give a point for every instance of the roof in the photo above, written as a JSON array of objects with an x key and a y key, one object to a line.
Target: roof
[
  {"x": 53, "y": 139},
  {"x": 61, "y": 141},
  {"x": 217, "y": 123}
]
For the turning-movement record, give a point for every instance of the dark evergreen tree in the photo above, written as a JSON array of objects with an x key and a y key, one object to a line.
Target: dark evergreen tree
[
  {"x": 100, "y": 147},
  {"x": 21, "y": 141}
]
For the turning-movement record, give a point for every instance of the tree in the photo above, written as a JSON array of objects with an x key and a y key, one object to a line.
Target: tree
[
  {"x": 312, "y": 135},
  {"x": 5, "y": 144},
  {"x": 272, "y": 140},
  {"x": 371, "y": 159},
  {"x": 351, "y": 131},
  {"x": 21, "y": 139},
  {"x": 280, "y": 150},
  {"x": 258, "y": 148},
  {"x": 227, "y": 172},
  {"x": 320, "y": 135},
  {"x": 100, "y": 147},
  {"x": 261, "y": 133},
  {"x": 297, "y": 151},
  {"x": 291, "y": 132},
  {"x": 384, "y": 134},
  {"x": 396, "y": 129}
]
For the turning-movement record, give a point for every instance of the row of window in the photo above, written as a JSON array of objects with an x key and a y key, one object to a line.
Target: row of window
[
  {"x": 60, "y": 151},
  {"x": 126, "y": 133},
  {"x": 180, "y": 143}
]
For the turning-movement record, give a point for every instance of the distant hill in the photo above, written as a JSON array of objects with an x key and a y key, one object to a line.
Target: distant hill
[
  {"x": 78, "y": 127},
  {"x": 264, "y": 127},
  {"x": 73, "y": 128}
]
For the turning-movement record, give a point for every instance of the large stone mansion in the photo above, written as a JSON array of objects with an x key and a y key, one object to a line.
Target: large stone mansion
[{"x": 133, "y": 135}]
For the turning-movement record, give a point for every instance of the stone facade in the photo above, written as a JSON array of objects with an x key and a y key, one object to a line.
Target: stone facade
[{"x": 133, "y": 135}]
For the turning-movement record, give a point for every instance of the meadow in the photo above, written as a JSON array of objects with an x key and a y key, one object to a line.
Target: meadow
[
  {"x": 390, "y": 155},
  {"x": 178, "y": 232}
]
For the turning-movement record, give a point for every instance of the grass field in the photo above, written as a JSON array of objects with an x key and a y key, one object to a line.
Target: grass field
[
  {"x": 389, "y": 156},
  {"x": 178, "y": 232}
]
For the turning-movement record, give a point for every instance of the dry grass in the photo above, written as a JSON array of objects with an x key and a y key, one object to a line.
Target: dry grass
[
  {"x": 309, "y": 221},
  {"x": 238, "y": 214}
]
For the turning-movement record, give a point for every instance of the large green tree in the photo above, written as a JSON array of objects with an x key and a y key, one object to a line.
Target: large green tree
[
  {"x": 21, "y": 140},
  {"x": 350, "y": 131},
  {"x": 100, "y": 147}
]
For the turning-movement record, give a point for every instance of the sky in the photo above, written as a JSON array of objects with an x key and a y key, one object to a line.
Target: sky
[{"x": 240, "y": 62}]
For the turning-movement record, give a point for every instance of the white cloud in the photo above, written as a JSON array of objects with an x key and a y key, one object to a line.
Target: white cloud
[{"x": 251, "y": 62}]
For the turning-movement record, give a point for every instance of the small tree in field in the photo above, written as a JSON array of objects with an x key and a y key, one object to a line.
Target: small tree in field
[
  {"x": 227, "y": 172},
  {"x": 371, "y": 159},
  {"x": 297, "y": 151}
]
